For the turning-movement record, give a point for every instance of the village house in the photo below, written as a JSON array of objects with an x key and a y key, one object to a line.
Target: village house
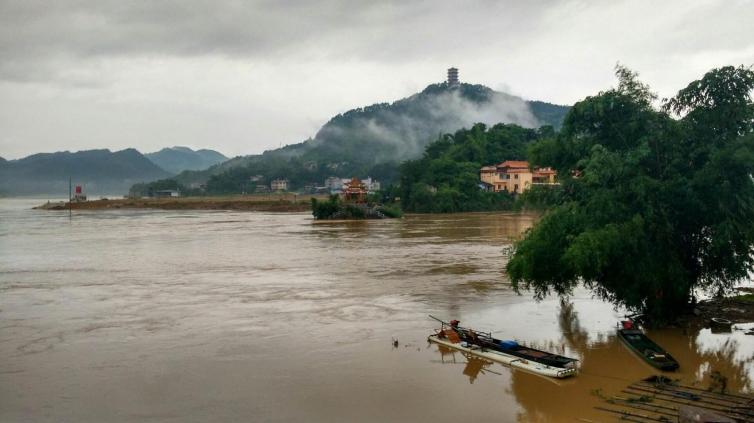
[
  {"x": 334, "y": 184},
  {"x": 371, "y": 184},
  {"x": 515, "y": 176},
  {"x": 165, "y": 193},
  {"x": 279, "y": 185}
]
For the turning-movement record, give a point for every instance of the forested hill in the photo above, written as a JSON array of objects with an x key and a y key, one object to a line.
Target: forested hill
[
  {"x": 372, "y": 140},
  {"x": 100, "y": 171},
  {"x": 393, "y": 132},
  {"x": 177, "y": 159},
  {"x": 446, "y": 178}
]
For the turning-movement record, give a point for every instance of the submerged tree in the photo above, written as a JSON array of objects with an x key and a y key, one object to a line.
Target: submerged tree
[{"x": 652, "y": 207}]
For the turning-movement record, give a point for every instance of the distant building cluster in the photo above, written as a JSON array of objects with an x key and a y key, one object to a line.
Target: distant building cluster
[
  {"x": 332, "y": 185},
  {"x": 515, "y": 176}
]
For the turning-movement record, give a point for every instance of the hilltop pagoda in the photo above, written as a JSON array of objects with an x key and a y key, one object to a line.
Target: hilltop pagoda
[{"x": 453, "y": 80}]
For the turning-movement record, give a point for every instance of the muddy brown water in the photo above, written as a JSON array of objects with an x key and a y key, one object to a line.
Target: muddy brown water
[{"x": 181, "y": 316}]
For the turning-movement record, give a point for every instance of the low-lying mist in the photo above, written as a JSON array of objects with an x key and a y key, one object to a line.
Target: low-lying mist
[{"x": 402, "y": 130}]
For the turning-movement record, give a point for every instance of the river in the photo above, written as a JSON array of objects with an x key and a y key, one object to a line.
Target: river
[{"x": 181, "y": 316}]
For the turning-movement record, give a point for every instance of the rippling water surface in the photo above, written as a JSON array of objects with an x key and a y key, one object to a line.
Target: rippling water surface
[{"x": 183, "y": 316}]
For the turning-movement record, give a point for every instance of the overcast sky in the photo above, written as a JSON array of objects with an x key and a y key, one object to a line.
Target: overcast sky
[{"x": 244, "y": 76}]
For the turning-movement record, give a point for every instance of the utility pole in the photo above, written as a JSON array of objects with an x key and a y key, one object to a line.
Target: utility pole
[{"x": 69, "y": 197}]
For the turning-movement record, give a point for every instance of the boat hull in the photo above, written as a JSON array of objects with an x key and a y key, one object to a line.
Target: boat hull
[
  {"x": 506, "y": 359},
  {"x": 641, "y": 345}
]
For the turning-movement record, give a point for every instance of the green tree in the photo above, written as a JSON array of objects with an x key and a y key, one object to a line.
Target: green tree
[
  {"x": 652, "y": 207},
  {"x": 446, "y": 178}
]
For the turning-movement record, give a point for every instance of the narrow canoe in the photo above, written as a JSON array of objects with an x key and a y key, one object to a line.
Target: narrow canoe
[{"x": 646, "y": 349}]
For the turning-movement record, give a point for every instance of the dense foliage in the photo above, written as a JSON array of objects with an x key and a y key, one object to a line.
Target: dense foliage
[
  {"x": 652, "y": 207},
  {"x": 446, "y": 179},
  {"x": 335, "y": 208}
]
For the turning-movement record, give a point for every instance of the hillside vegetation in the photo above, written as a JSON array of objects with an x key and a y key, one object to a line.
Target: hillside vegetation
[
  {"x": 373, "y": 140},
  {"x": 446, "y": 178}
]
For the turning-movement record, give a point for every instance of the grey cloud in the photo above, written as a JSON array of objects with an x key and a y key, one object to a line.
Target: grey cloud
[
  {"x": 245, "y": 76},
  {"x": 38, "y": 38}
]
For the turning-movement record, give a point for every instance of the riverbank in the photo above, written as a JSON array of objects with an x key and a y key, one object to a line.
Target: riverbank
[
  {"x": 738, "y": 309},
  {"x": 269, "y": 203}
]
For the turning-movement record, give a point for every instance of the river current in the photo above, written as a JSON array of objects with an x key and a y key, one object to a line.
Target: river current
[{"x": 183, "y": 316}]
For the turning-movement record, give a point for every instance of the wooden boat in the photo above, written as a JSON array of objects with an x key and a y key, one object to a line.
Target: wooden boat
[
  {"x": 645, "y": 348},
  {"x": 510, "y": 353}
]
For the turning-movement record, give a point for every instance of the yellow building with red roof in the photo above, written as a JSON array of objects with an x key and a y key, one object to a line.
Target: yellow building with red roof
[{"x": 515, "y": 176}]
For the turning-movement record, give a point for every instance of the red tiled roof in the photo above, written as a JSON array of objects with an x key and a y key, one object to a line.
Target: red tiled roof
[{"x": 514, "y": 164}]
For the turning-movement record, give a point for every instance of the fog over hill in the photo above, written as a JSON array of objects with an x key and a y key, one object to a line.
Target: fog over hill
[{"x": 357, "y": 141}]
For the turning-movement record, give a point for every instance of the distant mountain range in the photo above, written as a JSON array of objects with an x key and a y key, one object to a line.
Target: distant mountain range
[
  {"x": 100, "y": 172},
  {"x": 177, "y": 159},
  {"x": 372, "y": 140}
]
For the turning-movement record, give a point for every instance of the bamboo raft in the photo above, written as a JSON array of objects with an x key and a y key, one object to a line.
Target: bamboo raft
[{"x": 657, "y": 399}]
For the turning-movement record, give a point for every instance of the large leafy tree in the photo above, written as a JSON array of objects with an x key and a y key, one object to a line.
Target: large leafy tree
[
  {"x": 656, "y": 203},
  {"x": 446, "y": 178}
]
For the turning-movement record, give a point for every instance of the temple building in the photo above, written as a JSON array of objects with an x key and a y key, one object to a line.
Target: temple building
[
  {"x": 516, "y": 176},
  {"x": 355, "y": 191}
]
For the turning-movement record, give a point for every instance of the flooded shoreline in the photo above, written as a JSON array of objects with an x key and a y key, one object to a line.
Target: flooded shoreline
[{"x": 151, "y": 315}]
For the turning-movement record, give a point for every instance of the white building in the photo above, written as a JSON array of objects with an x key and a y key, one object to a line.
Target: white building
[
  {"x": 163, "y": 193},
  {"x": 371, "y": 184},
  {"x": 279, "y": 185},
  {"x": 334, "y": 183}
]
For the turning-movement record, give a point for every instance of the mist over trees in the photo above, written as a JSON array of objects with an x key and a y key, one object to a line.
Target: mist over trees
[
  {"x": 446, "y": 178},
  {"x": 653, "y": 207},
  {"x": 373, "y": 140}
]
